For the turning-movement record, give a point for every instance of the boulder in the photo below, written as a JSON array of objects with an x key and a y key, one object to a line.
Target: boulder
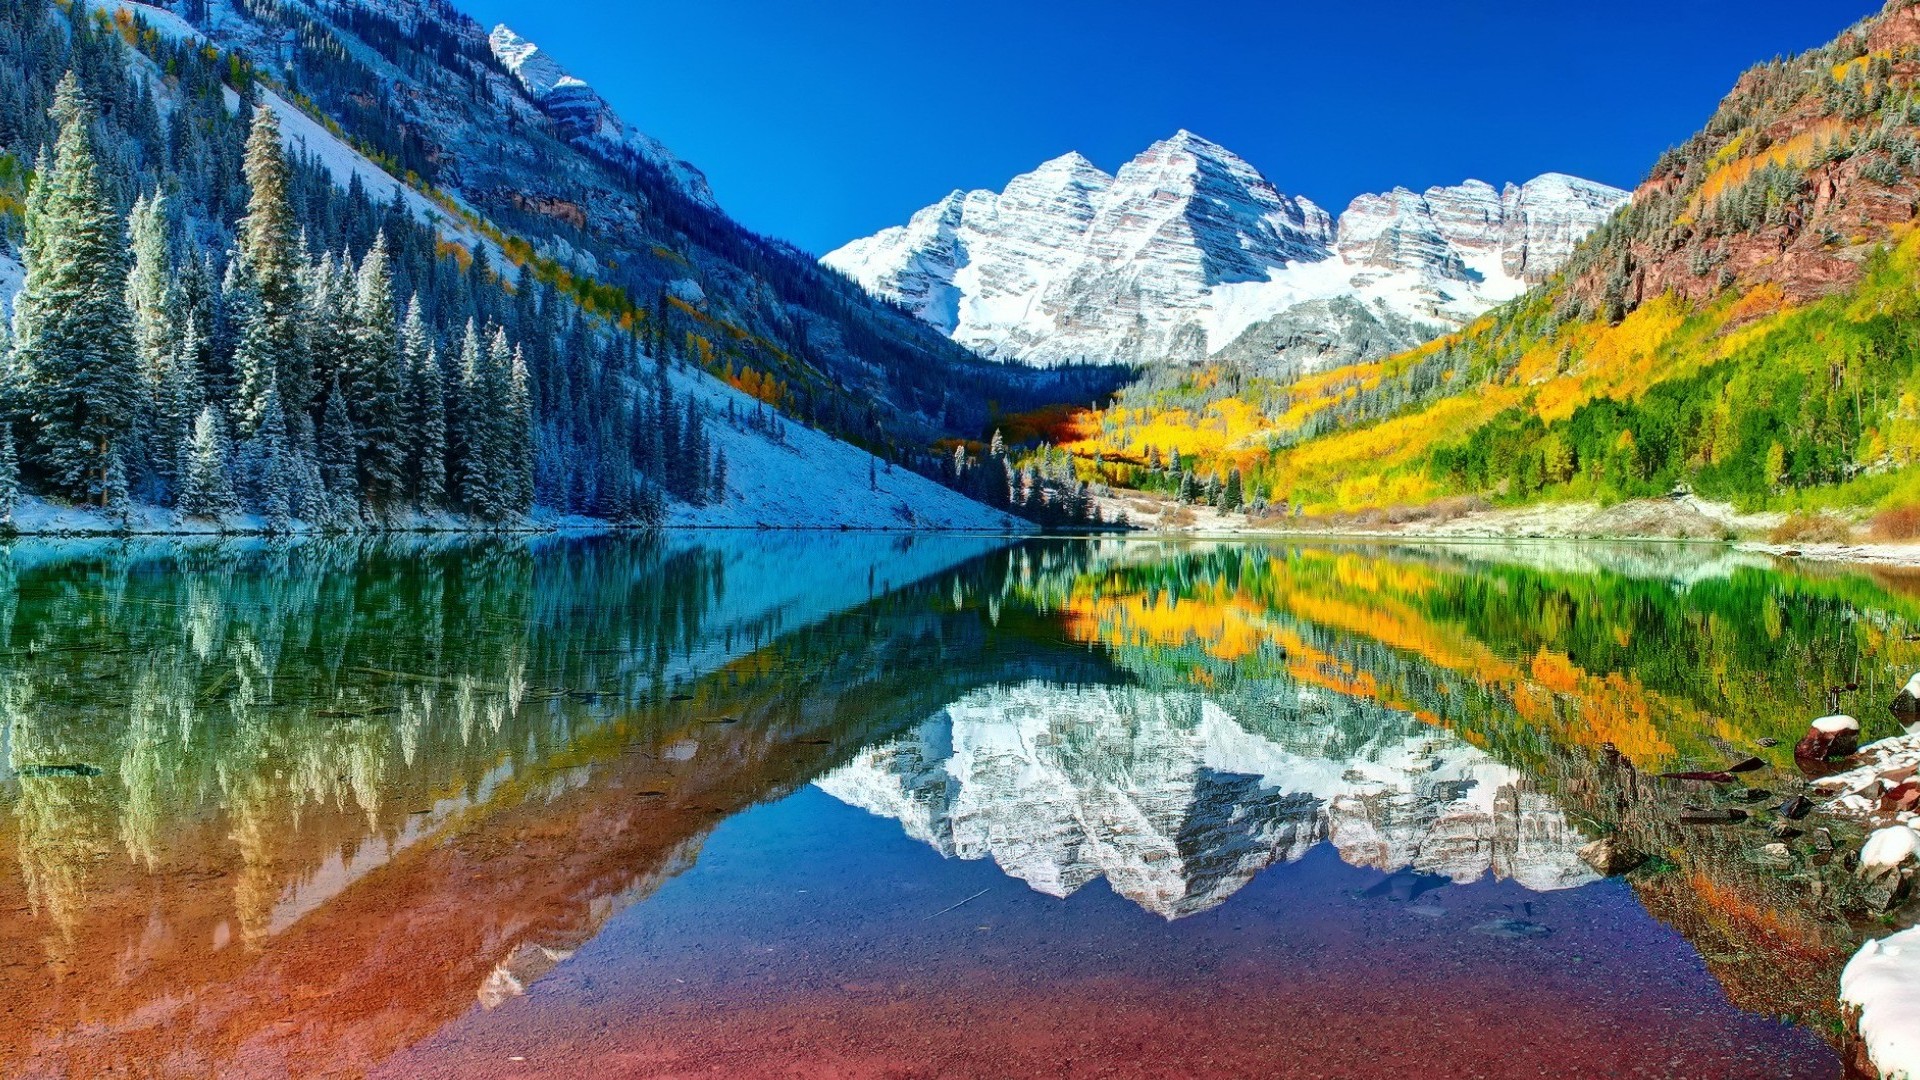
[
  {"x": 1829, "y": 737},
  {"x": 1880, "y": 993},
  {"x": 1609, "y": 857},
  {"x": 1906, "y": 704},
  {"x": 1888, "y": 851}
]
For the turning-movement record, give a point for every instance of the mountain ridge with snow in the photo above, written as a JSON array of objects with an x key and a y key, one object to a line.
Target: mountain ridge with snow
[{"x": 1187, "y": 253}]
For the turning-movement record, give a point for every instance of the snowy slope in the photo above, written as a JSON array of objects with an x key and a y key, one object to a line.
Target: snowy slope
[
  {"x": 810, "y": 480},
  {"x": 1188, "y": 252}
]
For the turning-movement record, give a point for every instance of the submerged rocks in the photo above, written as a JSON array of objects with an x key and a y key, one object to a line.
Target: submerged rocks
[
  {"x": 1829, "y": 737},
  {"x": 1610, "y": 857},
  {"x": 1880, "y": 991},
  {"x": 1718, "y": 816}
]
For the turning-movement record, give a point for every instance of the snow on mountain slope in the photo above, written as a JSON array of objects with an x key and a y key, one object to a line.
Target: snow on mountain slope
[
  {"x": 583, "y": 114},
  {"x": 306, "y": 138},
  {"x": 805, "y": 479},
  {"x": 1178, "y": 804},
  {"x": 1188, "y": 252}
]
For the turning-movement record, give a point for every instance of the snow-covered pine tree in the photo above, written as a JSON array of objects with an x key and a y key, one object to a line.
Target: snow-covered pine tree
[
  {"x": 427, "y": 424},
  {"x": 273, "y": 465},
  {"x": 73, "y": 350},
  {"x": 375, "y": 383},
  {"x": 519, "y": 456},
  {"x": 338, "y": 468},
  {"x": 177, "y": 401},
  {"x": 499, "y": 424},
  {"x": 206, "y": 486},
  {"x": 9, "y": 475},
  {"x": 472, "y": 455},
  {"x": 270, "y": 353},
  {"x": 152, "y": 304}
]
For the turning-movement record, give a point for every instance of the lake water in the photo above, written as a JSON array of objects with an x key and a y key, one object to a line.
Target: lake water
[{"x": 859, "y": 806}]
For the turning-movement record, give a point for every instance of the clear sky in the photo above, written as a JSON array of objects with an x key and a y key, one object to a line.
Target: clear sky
[{"x": 822, "y": 120}]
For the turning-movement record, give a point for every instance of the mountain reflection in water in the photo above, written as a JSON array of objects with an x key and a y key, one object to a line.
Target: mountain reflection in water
[{"x": 332, "y": 807}]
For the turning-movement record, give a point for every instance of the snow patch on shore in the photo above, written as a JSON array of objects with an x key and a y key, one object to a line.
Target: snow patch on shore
[{"x": 1882, "y": 981}]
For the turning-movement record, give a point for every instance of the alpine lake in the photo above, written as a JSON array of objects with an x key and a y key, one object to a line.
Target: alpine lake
[{"x": 855, "y": 805}]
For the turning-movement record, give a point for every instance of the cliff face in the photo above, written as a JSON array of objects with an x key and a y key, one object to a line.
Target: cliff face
[
  {"x": 1807, "y": 166},
  {"x": 1187, "y": 252},
  {"x": 1178, "y": 804}
]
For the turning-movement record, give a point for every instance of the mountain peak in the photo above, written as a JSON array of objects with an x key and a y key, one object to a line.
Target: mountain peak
[{"x": 1175, "y": 258}]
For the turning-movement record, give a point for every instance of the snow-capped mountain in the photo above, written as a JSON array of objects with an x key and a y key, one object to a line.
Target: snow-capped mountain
[
  {"x": 582, "y": 113},
  {"x": 1188, "y": 252},
  {"x": 1178, "y": 803}
]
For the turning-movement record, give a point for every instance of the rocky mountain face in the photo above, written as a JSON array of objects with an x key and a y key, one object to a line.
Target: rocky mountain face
[
  {"x": 1807, "y": 165},
  {"x": 583, "y": 115},
  {"x": 1178, "y": 804},
  {"x": 1188, "y": 252}
]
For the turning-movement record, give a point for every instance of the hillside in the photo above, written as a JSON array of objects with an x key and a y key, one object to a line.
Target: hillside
[
  {"x": 629, "y": 351},
  {"x": 1745, "y": 328},
  {"x": 1188, "y": 254}
]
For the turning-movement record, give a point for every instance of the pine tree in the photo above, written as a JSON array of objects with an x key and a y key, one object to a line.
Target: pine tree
[
  {"x": 177, "y": 401},
  {"x": 151, "y": 303},
  {"x": 266, "y": 266},
  {"x": 1234, "y": 496},
  {"x": 375, "y": 382},
  {"x": 338, "y": 468},
  {"x": 207, "y": 490},
  {"x": 270, "y": 467},
  {"x": 74, "y": 351},
  {"x": 472, "y": 432},
  {"x": 719, "y": 475},
  {"x": 428, "y": 425},
  {"x": 519, "y": 455},
  {"x": 9, "y": 475}
]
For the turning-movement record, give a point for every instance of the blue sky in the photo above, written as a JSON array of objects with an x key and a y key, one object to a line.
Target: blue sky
[{"x": 819, "y": 122}]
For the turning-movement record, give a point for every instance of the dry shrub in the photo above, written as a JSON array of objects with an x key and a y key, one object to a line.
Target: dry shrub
[
  {"x": 1899, "y": 523},
  {"x": 1812, "y": 529},
  {"x": 1178, "y": 518},
  {"x": 1438, "y": 511}
]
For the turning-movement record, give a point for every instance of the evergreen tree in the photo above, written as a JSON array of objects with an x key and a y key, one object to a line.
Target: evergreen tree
[
  {"x": 1234, "y": 496},
  {"x": 9, "y": 475},
  {"x": 519, "y": 456},
  {"x": 206, "y": 488},
  {"x": 428, "y": 425},
  {"x": 266, "y": 265},
  {"x": 472, "y": 456},
  {"x": 719, "y": 475},
  {"x": 74, "y": 354},
  {"x": 151, "y": 303},
  {"x": 375, "y": 382},
  {"x": 339, "y": 470},
  {"x": 272, "y": 465}
]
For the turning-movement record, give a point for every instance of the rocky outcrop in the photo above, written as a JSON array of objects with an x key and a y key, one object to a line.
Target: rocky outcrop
[
  {"x": 1188, "y": 253},
  {"x": 582, "y": 115},
  {"x": 1178, "y": 804}
]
